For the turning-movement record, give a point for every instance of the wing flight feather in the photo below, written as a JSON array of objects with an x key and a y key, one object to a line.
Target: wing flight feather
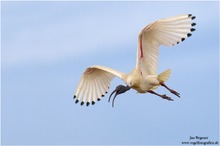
[
  {"x": 95, "y": 83},
  {"x": 168, "y": 32}
]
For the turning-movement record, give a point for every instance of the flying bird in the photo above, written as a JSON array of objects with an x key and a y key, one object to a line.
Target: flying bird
[{"x": 95, "y": 81}]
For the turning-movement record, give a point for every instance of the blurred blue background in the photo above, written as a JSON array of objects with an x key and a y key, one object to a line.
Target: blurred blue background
[{"x": 46, "y": 46}]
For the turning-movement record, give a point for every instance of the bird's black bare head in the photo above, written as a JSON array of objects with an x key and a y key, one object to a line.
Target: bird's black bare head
[{"x": 118, "y": 90}]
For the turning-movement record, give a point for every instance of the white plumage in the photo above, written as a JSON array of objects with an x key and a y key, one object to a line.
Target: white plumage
[{"x": 96, "y": 80}]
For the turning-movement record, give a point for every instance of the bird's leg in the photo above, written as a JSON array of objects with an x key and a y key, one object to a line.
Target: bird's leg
[
  {"x": 118, "y": 90},
  {"x": 164, "y": 96},
  {"x": 171, "y": 90}
]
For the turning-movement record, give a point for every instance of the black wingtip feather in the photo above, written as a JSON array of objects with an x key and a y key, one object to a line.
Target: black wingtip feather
[
  {"x": 98, "y": 99},
  {"x": 189, "y": 34},
  {"x": 93, "y": 102},
  {"x": 74, "y": 96},
  {"x": 193, "y": 17},
  {"x": 182, "y": 39},
  {"x": 192, "y": 29},
  {"x": 82, "y": 103},
  {"x": 77, "y": 101},
  {"x": 189, "y": 15},
  {"x": 193, "y": 24},
  {"x": 87, "y": 104}
]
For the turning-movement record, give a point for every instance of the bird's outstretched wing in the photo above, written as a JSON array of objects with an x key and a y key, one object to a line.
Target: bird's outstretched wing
[
  {"x": 168, "y": 31},
  {"x": 94, "y": 84}
]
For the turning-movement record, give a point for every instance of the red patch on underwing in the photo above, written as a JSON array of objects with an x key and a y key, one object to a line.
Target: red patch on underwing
[{"x": 141, "y": 49}]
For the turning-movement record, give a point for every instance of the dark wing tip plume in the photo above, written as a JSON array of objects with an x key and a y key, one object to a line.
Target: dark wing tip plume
[
  {"x": 193, "y": 17},
  {"x": 193, "y": 24},
  {"x": 77, "y": 101},
  {"x": 192, "y": 29},
  {"x": 189, "y": 35}
]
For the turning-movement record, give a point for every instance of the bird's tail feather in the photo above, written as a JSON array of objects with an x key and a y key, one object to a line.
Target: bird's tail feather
[{"x": 163, "y": 77}]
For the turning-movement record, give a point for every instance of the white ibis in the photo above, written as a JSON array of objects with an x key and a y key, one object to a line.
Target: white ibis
[{"x": 95, "y": 81}]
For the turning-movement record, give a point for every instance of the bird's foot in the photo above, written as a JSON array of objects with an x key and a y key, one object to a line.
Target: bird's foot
[
  {"x": 174, "y": 92},
  {"x": 164, "y": 96},
  {"x": 171, "y": 90},
  {"x": 118, "y": 90}
]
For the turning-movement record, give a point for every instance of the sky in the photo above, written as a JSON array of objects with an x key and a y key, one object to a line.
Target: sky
[{"x": 46, "y": 46}]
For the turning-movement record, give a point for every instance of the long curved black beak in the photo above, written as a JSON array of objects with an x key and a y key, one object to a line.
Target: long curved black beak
[{"x": 118, "y": 90}]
